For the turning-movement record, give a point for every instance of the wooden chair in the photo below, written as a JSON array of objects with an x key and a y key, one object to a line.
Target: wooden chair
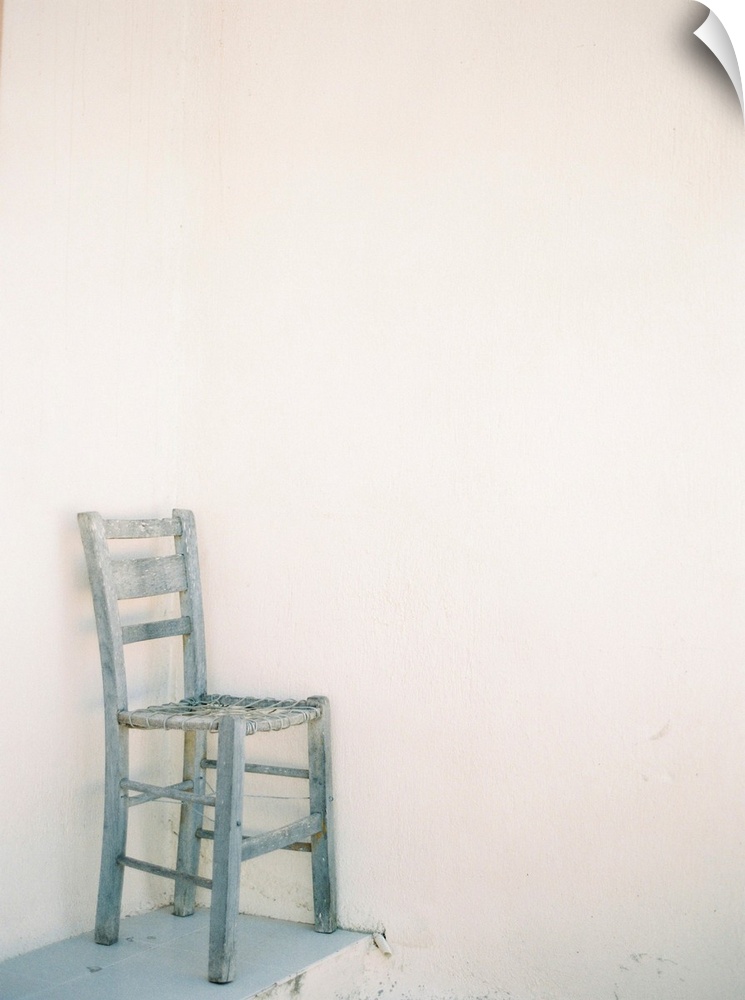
[{"x": 198, "y": 713}]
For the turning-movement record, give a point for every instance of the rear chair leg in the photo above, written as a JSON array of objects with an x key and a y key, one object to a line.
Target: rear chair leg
[
  {"x": 114, "y": 844},
  {"x": 321, "y": 797},
  {"x": 226, "y": 859},
  {"x": 184, "y": 898}
]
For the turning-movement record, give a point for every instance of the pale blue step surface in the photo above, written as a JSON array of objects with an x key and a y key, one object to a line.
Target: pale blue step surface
[{"x": 162, "y": 957}]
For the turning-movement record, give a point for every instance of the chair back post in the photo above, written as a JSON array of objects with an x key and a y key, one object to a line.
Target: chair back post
[
  {"x": 195, "y": 656},
  {"x": 106, "y": 610}
]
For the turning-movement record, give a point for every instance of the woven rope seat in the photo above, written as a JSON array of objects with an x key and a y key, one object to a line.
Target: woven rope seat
[{"x": 260, "y": 714}]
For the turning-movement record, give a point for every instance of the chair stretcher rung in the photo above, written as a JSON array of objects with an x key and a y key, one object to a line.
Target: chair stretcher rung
[
  {"x": 277, "y": 839},
  {"x": 284, "y": 838},
  {"x": 297, "y": 846},
  {"x": 280, "y": 772},
  {"x": 146, "y": 866},
  {"x": 138, "y": 800},
  {"x": 176, "y": 792}
]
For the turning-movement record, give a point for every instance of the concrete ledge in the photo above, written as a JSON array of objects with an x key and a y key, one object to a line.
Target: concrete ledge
[{"x": 162, "y": 957}]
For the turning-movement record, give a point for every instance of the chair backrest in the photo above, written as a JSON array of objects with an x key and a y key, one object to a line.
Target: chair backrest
[{"x": 116, "y": 579}]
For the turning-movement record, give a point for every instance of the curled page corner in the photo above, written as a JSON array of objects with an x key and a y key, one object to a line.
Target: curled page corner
[{"x": 724, "y": 40}]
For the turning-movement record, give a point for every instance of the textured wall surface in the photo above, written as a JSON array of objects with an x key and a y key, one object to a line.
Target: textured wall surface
[
  {"x": 94, "y": 196},
  {"x": 446, "y": 300}
]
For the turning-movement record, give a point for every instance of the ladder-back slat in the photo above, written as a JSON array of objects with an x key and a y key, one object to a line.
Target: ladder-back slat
[
  {"x": 156, "y": 630},
  {"x": 149, "y": 577},
  {"x": 148, "y": 528}
]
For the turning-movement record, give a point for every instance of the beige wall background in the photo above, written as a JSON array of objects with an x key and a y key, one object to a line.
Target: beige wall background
[{"x": 433, "y": 312}]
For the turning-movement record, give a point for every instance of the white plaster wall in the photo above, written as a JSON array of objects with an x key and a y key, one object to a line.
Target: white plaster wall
[
  {"x": 471, "y": 411},
  {"x": 93, "y": 195},
  {"x": 448, "y": 300}
]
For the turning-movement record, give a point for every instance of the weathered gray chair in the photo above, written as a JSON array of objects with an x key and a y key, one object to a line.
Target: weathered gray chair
[{"x": 233, "y": 718}]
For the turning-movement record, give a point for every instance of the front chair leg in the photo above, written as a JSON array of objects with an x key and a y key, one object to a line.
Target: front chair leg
[
  {"x": 226, "y": 860},
  {"x": 114, "y": 843},
  {"x": 321, "y": 797}
]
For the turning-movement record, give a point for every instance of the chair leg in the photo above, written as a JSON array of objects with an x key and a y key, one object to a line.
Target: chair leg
[
  {"x": 114, "y": 844},
  {"x": 226, "y": 860},
  {"x": 321, "y": 797},
  {"x": 184, "y": 898}
]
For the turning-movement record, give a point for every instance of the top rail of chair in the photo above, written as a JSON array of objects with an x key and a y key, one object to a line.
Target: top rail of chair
[{"x": 143, "y": 528}]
